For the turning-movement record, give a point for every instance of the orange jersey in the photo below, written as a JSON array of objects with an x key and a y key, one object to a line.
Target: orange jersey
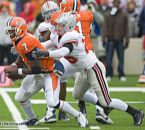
[
  {"x": 83, "y": 23},
  {"x": 26, "y": 45}
]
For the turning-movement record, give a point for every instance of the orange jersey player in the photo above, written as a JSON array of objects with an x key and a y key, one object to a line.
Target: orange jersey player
[
  {"x": 84, "y": 19},
  {"x": 25, "y": 44},
  {"x": 83, "y": 22}
]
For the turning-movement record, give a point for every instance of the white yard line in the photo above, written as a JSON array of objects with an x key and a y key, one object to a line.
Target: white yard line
[
  {"x": 113, "y": 89},
  {"x": 43, "y": 101},
  {"x": 12, "y": 108},
  {"x": 94, "y": 127}
]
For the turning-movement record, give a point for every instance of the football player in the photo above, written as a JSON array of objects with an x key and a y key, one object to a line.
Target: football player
[
  {"x": 52, "y": 69},
  {"x": 47, "y": 10},
  {"x": 83, "y": 18},
  {"x": 78, "y": 59},
  {"x": 84, "y": 21}
]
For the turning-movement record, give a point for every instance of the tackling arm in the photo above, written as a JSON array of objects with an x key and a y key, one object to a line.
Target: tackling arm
[{"x": 64, "y": 51}]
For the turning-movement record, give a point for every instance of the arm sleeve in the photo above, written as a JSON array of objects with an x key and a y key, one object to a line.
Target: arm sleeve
[
  {"x": 64, "y": 51},
  {"x": 47, "y": 44}
]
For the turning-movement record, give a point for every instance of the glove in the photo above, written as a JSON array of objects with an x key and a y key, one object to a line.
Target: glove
[
  {"x": 125, "y": 45},
  {"x": 13, "y": 51},
  {"x": 40, "y": 53},
  {"x": 58, "y": 68}
]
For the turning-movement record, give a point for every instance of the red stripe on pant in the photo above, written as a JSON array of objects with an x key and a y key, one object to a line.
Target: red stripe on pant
[{"x": 102, "y": 83}]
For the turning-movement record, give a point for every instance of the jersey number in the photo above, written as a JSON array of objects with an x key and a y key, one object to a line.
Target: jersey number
[{"x": 24, "y": 44}]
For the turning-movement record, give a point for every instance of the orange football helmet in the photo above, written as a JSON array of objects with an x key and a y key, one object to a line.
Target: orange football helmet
[
  {"x": 17, "y": 28},
  {"x": 70, "y": 5}
]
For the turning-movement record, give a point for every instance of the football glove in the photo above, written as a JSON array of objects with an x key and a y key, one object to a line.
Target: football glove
[
  {"x": 13, "y": 51},
  {"x": 40, "y": 53}
]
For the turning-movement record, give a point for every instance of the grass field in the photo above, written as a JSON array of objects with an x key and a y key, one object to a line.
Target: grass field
[{"x": 10, "y": 110}]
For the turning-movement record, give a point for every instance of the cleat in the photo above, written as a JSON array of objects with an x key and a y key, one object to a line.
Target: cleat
[
  {"x": 138, "y": 118},
  {"x": 50, "y": 117},
  {"x": 102, "y": 118},
  {"x": 31, "y": 122},
  {"x": 82, "y": 120},
  {"x": 82, "y": 107},
  {"x": 108, "y": 78},
  {"x": 62, "y": 116},
  {"x": 123, "y": 79}
]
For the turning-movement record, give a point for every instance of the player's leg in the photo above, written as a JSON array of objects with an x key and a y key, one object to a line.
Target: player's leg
[
  {"x": 80, "y": 88},
  {"x": 50, "y": 115},
  {"x": 81, "y": 103},
  {"x": 62, "y": 115},
  {"x": 29, "y": 86},
  {"x": 101, "y": 89},
  {"x": 52, "y": 90}
]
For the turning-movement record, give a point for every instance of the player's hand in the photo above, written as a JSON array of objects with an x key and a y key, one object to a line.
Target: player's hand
[
  {"x": 12, "y": 72},
  {"x": 125, "y": 45},
  {"x": 13, "y": 51},
  {"x": 40, "y": 53}
]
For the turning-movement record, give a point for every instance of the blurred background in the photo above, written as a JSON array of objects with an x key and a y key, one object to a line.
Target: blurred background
[{"x": 134, "y": 47}]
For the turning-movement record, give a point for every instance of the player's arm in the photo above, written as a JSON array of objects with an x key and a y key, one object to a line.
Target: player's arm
[
  {"x": 32, "y": 70},
  {"x": 63, "y": 51},
  {"x": 47, "y": 44},
  {"x": 19, "y": 62}
]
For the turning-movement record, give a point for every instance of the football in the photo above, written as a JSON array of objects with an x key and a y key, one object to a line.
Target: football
[{"x": 9, "y": 73}]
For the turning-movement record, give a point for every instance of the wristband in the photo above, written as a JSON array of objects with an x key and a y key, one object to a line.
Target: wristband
[
  {"x": 20, "y": 71},
  {"x": 14, "y": 64}
]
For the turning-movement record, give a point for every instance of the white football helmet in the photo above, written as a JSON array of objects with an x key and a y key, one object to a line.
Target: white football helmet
[
  {"x": 48, "y": 9},
  {"x": 65, "y": 22}
]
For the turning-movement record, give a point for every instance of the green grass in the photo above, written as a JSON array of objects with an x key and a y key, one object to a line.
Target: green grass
[
  {"x": 115, "y": 82},
  {"x": 122, "y": 121}
]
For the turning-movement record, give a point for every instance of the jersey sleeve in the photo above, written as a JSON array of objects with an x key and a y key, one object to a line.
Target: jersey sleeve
[{"x": 70, "y": 37}]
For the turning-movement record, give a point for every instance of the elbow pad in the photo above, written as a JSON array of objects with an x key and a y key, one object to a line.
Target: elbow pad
[{"x": 58, "y": 68}]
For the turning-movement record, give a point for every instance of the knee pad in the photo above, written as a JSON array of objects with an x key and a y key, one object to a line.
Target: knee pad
[
  {"x": 21, "y": 96},
  {"x": 52, "y": 104},
  {"x": 20, "y": 99}
]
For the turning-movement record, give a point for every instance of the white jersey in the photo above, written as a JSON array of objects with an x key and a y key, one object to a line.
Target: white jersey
[{"x": 80, "y": 56}]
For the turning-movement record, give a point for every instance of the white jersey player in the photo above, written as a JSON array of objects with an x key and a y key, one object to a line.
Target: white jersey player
[{"x": 69, "y": 44}]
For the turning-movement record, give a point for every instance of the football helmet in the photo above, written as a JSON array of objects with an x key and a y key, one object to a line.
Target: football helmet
[
  {"x": 70, "y": 5},
  {"x": 48, "y": 9},
  {"x": 64, "y": 22},
  {"x": 17, "y": 28}
]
